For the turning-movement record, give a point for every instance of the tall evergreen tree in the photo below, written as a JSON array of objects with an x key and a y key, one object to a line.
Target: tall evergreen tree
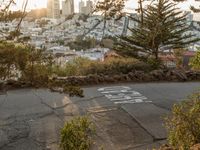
[{"x": 164, "y": 27}]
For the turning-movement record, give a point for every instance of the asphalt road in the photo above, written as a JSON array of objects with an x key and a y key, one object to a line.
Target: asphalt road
[{"x": 127, "y": 116}]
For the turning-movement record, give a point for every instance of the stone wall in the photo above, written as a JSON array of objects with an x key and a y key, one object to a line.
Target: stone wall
[{"x": 135, "y": 76}]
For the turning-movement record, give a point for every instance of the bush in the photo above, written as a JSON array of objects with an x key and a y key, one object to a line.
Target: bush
[
  {"x": 76, "y": 134},
  {"x": 184, "y": 123},
  {"x": 73, "y": 91}
]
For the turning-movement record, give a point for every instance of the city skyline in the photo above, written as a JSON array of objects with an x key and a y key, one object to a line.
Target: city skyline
[{"x": 33, "y": 4}]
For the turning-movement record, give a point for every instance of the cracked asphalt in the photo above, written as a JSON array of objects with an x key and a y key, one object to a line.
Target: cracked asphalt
[{"x": 126, "y": 116}]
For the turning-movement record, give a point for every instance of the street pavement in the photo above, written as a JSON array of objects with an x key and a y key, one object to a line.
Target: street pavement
[{"x": 126, "y": 116}]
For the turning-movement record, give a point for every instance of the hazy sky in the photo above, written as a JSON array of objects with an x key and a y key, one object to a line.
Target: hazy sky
[
  {"x": 40, "y": 4},
  {"x": 130, "y": 4}
]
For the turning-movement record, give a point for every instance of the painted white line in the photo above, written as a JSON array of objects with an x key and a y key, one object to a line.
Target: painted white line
[
  {"x": 114, "y": 88},
  {"x": 122, "y": 91},
  {"x": 142, "y": 97},
  {"x": 115, "y": 91},
  {"x": 115, "y": 96},
  {"x": 132, "y": 102},
  {"x": 120, "y": 99},
  {"x": 130, "y": 98}
]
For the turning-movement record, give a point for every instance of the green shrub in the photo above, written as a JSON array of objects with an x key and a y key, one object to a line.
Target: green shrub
[
  {"x": 184, "y": 123},
  {"x": 154, "y": 63},
  {"x": 76, "y": 134},
  {"x": 195, "y": 63}
]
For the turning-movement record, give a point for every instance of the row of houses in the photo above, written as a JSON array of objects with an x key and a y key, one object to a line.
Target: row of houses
[{"x": 171, "y": 61}]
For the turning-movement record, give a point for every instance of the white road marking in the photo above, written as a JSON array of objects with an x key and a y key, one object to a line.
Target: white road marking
[
  {"x": 113, "y": 88},
  {"x": 123, "y": 95},
  {"x": 132, "y": 102},
  {"x": 115, "y": 91}
]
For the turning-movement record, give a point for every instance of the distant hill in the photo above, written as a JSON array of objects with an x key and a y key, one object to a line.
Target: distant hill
[{"x": 37, "y": 13}]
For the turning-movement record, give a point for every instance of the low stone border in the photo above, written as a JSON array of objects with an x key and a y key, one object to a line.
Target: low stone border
[{"x": 135, "y": 76}]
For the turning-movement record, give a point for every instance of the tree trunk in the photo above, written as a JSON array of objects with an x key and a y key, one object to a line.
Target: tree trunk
[
  {"x": 104, "y": 25},
  {"x": 156, "y": 54}
]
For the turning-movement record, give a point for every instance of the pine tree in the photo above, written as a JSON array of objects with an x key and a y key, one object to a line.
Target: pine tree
[{"x": 163, "y": 27}]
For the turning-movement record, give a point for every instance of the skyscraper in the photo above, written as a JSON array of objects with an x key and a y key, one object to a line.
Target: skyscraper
[
  {"x": 81, "y": 5},
  {"x": 67, "y": 7},
  {"x": 53, "y": 9},
  {"x": 89, "y": 5},
  {"x": 86, "y": 9}
]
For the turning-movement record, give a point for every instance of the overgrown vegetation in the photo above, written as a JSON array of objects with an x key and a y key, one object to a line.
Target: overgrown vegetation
[
  {"x": 23, "y": 62},
  {"x": 76, "y": 134},
  {"x": 111, "y": 66},
  {"x": 184, "y": 123},
  {"x": 31, "y": 66}
]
